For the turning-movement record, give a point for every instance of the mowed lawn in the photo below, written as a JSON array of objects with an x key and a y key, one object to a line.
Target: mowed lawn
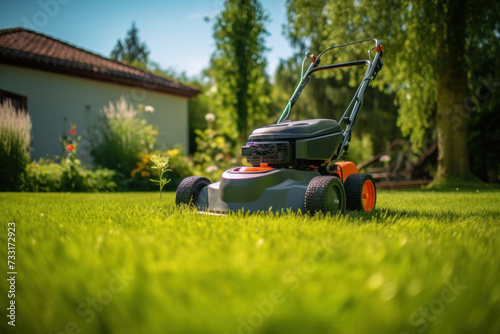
[{"x": 423, "y": 262}]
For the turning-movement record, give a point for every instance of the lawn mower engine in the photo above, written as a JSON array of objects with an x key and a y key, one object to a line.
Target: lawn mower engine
[
  {"x": 300, "y": 144},
  {"x": 294, "y": 164}
]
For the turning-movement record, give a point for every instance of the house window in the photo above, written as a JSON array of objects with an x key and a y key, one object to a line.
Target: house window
[{"x": 18, "y": 101}]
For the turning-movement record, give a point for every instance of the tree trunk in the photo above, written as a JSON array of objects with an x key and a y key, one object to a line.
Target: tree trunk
[{"x": 451, "y": 115}]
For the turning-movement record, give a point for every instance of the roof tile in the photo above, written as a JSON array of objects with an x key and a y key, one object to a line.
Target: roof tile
[{"x": 23, "y": 47}]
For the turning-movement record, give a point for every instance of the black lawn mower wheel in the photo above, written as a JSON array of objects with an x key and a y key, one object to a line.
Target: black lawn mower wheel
[
  {"x": 325, "y": 194},
  {"x": 189, "y": 189}
]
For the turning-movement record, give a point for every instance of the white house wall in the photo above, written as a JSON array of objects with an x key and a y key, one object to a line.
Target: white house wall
[{"x": 54, "y": 100}]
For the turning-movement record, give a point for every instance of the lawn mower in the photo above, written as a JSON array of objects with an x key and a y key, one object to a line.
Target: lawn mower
[{"x": 296, "y": 165}]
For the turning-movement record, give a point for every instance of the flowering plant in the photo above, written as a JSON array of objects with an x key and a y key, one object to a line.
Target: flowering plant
[
  {"x": 73, "y": 176},
  {"x": 70, "y": 145},
  {"x": 161, "y": 165}
]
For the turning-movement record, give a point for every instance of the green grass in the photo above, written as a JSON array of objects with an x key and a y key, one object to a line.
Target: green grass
[{"x": 384, "y": 272}]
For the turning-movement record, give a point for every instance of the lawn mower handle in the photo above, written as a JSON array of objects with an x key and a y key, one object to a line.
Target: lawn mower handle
[{"x": 350, "y": 115}]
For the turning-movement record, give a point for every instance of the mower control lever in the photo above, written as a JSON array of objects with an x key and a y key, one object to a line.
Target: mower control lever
[
  {"x": 311, "y": 56},
  {"x": 378, "y": 67}
]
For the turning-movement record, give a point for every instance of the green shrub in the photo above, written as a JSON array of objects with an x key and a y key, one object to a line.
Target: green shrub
[
  {"x": 42, "y": 176},
  {"x": 101, "y": 180},
  {"x": 125, "y": 135},
  {"x": 15, "y": 139},
  {"x": 47, "y": 175},
  {"x": 73, "y": 178},
  {"x": 215, "y": 154}
]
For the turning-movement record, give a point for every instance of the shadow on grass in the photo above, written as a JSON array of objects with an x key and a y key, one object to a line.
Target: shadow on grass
[
  {"x": 488, "y": 188},
  {"x": 393, "y": 215}
]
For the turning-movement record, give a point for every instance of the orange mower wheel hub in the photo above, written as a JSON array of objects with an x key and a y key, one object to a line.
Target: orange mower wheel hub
[{"x": 368, "y": 195}]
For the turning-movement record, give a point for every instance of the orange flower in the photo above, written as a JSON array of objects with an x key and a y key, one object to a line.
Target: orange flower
[
  {"x": 70, "y": 147},
  {"x": 72, "y": 132}
]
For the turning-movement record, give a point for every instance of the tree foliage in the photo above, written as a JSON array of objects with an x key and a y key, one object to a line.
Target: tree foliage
[
  {"x": 131, "y": 49},
  {"x": 429, "y": 59},
  {"x": 240, "y": 84}
]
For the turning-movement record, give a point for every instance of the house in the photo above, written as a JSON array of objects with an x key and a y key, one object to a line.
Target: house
[{"x": 58, "y": 83}]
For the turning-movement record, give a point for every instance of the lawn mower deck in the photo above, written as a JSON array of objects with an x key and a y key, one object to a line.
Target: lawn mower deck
[{"x": 295, "y": 164}]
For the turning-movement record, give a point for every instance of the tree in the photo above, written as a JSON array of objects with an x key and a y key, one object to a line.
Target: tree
[
  {"x": 427, "y": 47},
  {"x": 237, "y": 67},
  {"x": 484, "y": 104},
  {"x": 131, "y": 49}
]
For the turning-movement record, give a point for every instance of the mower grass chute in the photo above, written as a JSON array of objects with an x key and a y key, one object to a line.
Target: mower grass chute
[{"x": 295, "y": 164}]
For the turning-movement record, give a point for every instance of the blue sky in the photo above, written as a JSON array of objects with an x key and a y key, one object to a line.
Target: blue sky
[{"x": 174, "y": 31}]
